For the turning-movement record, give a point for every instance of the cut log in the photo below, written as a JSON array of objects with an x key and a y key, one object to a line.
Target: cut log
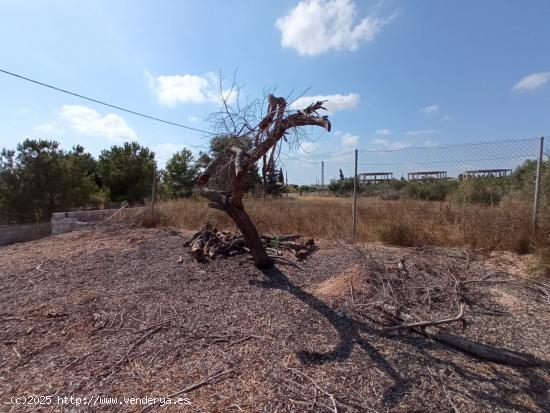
[
  {"x": 209, "y": 242},
  {"x": 192, "y": 238},
  {"x": 197, "y": 249},
  {"x": 483, "y": 351},
  {"x": 301, "y": 254},
  {"x": 281, "y": 238}
]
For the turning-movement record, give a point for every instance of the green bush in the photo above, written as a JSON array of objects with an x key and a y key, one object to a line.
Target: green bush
[
  {"x": 482, "y": 190},
  {"x": 430, "y": 189},
  {"x": 341, "y": 187}
]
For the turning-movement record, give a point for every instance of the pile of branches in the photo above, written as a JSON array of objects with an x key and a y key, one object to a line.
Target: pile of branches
[
  {"x": 424, "y": 286},
  {"x": 210, "y": 242},
  {"x": 428, "y": 292}
]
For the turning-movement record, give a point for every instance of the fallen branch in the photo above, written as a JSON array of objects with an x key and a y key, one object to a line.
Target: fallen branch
[
  {"x": 288, "y": 261},
  {"x": 483, "y": 351},
  {"x": 78, "y": 360},
  {"x": 425, "y": 323},
  {"x": 189, "y": 388},
  {"x": 137, "y": 343}
]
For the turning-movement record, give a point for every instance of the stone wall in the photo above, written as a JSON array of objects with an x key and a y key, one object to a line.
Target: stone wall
[{"x": 10, "y": 234}]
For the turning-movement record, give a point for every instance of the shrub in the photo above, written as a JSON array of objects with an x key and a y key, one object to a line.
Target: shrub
[
  {"x": 483, "y": 190},
  {"x": 430, "y": 189},
  {"x": 397, "y": 233},
  {"x": 341, "y": 187}
]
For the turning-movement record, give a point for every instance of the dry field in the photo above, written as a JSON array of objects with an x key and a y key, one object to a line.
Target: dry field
[
  {"x": 111, "y": 312},
  {"x": 403, "y": 222}
]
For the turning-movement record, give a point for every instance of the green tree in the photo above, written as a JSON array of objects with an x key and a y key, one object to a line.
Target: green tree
[
  {"x": 80, "y": 178},
  {"x": 127, "y": 171},
  {"x": 203, "y": 159},
  {"x": 39, "y": 178},
  {"x": 180, "y": 174}
]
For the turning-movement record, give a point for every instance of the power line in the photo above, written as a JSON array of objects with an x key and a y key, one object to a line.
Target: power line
[{"x": 105, "y": 103}]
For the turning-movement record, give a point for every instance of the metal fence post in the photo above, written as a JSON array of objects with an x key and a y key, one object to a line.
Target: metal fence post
[
  {"x": 537, "y": 186},
  {"x": 322, "y": 174},
  {"x": 153, "y": 194},
  {"x": 354, "y": 210}
]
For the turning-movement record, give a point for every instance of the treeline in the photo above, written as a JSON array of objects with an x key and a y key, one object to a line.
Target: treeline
[
  {"x": 39, "y": 178},
  {"x": 481, "y": 190}
]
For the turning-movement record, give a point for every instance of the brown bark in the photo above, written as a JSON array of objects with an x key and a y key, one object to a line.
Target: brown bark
[
  {"x": 235, "y": 209},
  {"x": 250, "y": 234}
]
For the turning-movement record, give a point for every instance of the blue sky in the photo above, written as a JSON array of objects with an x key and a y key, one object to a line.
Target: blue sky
[{"x": 396, "y": 73}]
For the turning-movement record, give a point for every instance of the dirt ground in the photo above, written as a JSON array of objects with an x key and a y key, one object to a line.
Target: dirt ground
[{"x": 109, "y": 312}]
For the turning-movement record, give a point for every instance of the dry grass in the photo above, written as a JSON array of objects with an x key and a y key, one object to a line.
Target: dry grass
[{"x": 403, "y": 222}]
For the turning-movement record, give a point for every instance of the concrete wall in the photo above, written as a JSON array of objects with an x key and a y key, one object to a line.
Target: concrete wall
[
  {"x": 61, "y": 222},
  {"x": 10, "y": 234},
  {"x": 67, "y": 221}
]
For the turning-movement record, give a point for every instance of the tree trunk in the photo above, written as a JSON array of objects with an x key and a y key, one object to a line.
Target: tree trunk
[{"x": 250, "y": 234}]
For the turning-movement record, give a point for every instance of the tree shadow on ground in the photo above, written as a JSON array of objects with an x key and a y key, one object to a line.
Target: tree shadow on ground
[{"x": 349, "y": 331}]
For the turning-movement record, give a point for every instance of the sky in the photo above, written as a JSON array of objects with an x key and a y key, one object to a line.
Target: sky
[{"x": 395, "y": 73}]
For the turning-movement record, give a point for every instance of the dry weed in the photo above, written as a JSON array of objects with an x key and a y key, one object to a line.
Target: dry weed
[{"x": 404, "y": 222}]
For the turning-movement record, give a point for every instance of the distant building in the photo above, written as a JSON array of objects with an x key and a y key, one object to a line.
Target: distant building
[
  {"x": 418, "y": 176},
  {"x": 375, "y": 177},
  {"x": 496, "y": 173}
]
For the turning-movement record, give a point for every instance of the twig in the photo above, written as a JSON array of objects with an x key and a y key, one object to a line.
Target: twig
[
  {"x": 190, "y": 388},
  {"x": 351, "y": 291},
  {"x": 242, "y": 340},
  {"x": 429, "y": 322},
  {"x": 162, "y": 324},
  {"x": 287, "y": 260},
  {"x": 137, "y": 343},
  {"x": 330, "y": 395},
  {"x": 39, "y": 267},
  {"x": 444, "y": 391},
  {"x": 78, "y": 359}
]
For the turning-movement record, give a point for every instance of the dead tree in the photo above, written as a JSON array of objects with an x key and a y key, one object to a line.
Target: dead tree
[{"x": 236, "y": 162}]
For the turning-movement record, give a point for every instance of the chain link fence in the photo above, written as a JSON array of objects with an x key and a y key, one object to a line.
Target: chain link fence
[{"x": 477, "y": 175}]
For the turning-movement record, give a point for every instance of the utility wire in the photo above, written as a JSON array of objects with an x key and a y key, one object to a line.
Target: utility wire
[{"x": 104, "y": 103}]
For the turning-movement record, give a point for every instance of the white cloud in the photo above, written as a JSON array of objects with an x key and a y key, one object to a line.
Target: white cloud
[
  {"x": 531, "y": 82},
  {"x": 447, "y": 118},
  {"x": 334, "y": 103},
  {"x": 89, "y": 122},
  {"x": 382, "y": 132},
  {"x": 314, "y": 27},
  {"x": 429, "y": 109},
  {"x": 164, "y": 151},
  {"x": 387, "y": 144},
  {"x": 49, "y": 128},
  {"x": 193, "y": 119},
  {"x": 421, "y": 132},
  {"x": 349, "y": 140},
  {"x": 308, "y": 147},
  {"x": 173, "y": 89}
]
